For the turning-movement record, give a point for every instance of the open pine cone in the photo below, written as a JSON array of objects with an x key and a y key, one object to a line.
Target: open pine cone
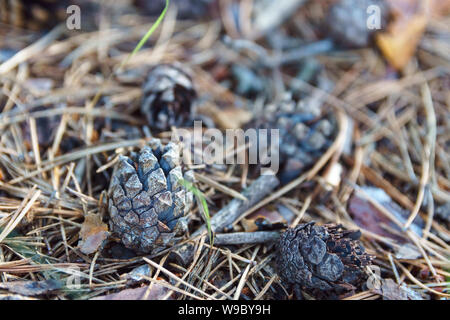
[
  {"x": 168, "y": 97},
  {"x": 324, "y": 261},
  {"x": 304, "y": 134},
  {"x": 147, "y": 199}
]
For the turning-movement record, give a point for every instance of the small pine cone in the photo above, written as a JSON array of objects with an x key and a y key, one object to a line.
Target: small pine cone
[
  {"x": 187, "y": 9},
  {"x": 147, "y": 201},
  {"x": 168, "y": 97},
  {"x": 347, "y": 21},
  {"x": 322, "y": 260},
  {"x": 304, "y": 134}
]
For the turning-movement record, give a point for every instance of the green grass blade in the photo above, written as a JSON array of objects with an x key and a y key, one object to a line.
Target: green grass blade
[
  {"x": 146, "y": 36},
  {"x": 200, "y": 197},
  {"x": 136, "y": 49}
]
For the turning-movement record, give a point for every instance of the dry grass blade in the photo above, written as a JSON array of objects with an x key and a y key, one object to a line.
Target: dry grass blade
[
  {"x": 18, "y": 216},
  {"x": 362, "y": 145},
  {"x": 220, "y": 187},
  {"x": 32, "y": 50},
  {"x": 171, "y": 275},
  {"x": 428, "y": 156}
]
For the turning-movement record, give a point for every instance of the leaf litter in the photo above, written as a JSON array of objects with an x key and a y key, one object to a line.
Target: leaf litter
[{"x": 52, "y": 185}]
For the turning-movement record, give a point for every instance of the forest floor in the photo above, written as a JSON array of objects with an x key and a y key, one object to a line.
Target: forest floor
[{"x": 387, "y": 172}]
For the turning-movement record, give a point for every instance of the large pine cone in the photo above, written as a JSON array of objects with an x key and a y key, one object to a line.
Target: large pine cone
[
  {"x": 322, "y": 260},
  {"x": 168, "y": 97},
  {"x": 304, "y": 134},
  {"x": 347, "y": 21},
  {"x": 147, "y": 200},
  {"x": 187, "y": 9}
]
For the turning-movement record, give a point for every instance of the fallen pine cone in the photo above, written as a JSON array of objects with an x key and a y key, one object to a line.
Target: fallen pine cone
[
  {"x": 304, "y": 134},
  {"x": 325, "y": 261},
  {"x": 168, "y": 97},
  {"x": 147, "y": 199}
]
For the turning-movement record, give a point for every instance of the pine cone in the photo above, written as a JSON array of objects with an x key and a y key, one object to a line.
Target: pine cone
[
  {"x": 322, "y": 260},
  {"x": 347, "y": 21},
  {"x": 168, "y": 97},
  {"x": 187, "y": 9},
  {"x": 304, "y": 134},
  {"x": 147, "y": 200}
]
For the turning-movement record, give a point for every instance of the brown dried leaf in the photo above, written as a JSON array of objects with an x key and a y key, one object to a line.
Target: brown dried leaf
[
  {"x": 31, "y": 288},
  {"x": 410, "y": 18},
  {"x": 399, "y": 43},
  {"x": 157, "y": 292},
  {"x": 368, "y": 217},
  {"x": 93, "y": 232},
  {"x": 392, "y": 291},
  {"x": 264, "y": 219}
]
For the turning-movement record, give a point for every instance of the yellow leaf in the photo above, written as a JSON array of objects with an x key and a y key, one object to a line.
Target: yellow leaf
[
  {"x": 410, "y": 18},
  {"x": 399, "y": 44}
]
